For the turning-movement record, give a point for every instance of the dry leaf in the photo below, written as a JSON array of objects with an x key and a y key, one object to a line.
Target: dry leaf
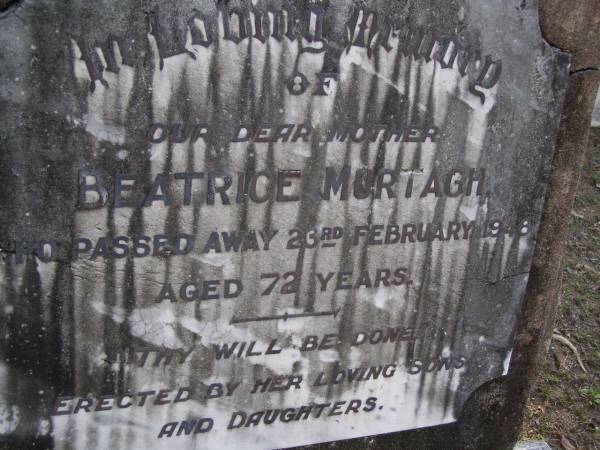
[{"x": 566, "y": 443}]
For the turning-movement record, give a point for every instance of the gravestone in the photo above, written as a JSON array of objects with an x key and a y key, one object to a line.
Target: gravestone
[{"x": 264, "y": 224}]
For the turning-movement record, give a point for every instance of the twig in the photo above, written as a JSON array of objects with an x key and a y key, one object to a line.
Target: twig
[{"x": 565, "y": 341}]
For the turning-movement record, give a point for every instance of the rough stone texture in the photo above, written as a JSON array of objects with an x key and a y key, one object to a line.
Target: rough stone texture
[
  {"x": 541, "y": 300},
  {"x": 67, "y": 320},
  {"x": 596, "y": 114},
  {"x": 574, "y": 27},
  {"x": 532, "y": 445},
  {"x": 501, "y": 404},
  {"x": 546, "y": 276}
]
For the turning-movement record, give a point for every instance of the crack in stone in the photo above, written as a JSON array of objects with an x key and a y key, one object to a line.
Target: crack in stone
[
  {"x": 492, "y": 283},
  {"x": 585, "y": 69}
]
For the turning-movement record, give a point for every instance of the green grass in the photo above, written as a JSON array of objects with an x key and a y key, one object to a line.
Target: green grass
[{"x": 592, "y": 394}]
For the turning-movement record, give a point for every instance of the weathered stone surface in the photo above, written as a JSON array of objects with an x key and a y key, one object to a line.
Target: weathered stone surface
[
  {"x": 348, "y": 194},
  {"x": 574, "y": 29},
  {"x": 596, "y": 114},
  {"x": 532, "y": 445}
]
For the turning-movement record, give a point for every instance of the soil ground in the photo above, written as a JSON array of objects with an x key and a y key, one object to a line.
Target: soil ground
[{"x": 564, "y": 409}]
